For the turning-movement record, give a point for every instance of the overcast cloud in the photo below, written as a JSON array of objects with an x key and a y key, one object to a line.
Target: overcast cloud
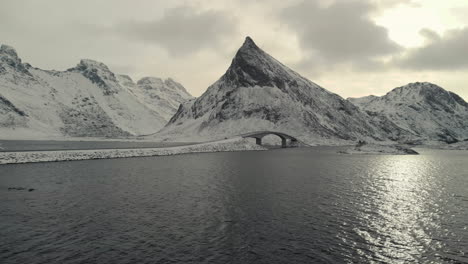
[
  {"x": 338, "y": 33},
  {"x": 350, "y": 47},
  {"x": 182, "y": 30},
  {"x": 447, "y": 52}
]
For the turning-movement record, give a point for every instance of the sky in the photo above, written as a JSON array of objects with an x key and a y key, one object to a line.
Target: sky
[{"x": 351, "y": 47}]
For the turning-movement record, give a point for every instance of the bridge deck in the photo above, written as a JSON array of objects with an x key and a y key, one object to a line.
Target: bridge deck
[{"x": 258, "y": 135}]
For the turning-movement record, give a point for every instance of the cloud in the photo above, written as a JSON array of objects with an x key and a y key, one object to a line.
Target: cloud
[
  {"x": 182, "y": 30},
  {"x": 194, "y": 41},
  {"x": 447, "y": 52},
  {"x": 341, "y": 32},
  {"x": 383, "y": 4},
  {"x": 429, "y": 34}
]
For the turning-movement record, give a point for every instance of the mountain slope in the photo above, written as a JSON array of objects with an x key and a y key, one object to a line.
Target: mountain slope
[
  {"x": 162, "y": 96},
  {"x": 426, "y": 110},
  {"x": 85, "y": 101},
  {"x": 257, "y": 92}
]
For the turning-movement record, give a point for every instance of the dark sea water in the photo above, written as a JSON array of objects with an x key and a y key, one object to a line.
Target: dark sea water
[{"x": 280, "y": 206}]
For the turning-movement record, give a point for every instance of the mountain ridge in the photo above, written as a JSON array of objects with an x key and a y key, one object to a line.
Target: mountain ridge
[
  {"x": 256, "y": 92},
  {"x": 424, "y": 109},
  {"x": 87, "y": 100}
]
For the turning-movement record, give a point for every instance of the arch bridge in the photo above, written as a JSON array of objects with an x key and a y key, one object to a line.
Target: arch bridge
[{"x": 287, "y": 141}]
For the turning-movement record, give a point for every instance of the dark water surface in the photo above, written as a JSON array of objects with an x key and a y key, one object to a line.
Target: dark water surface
[
  {"x": 41, "y": 145},
  {"x": 280, "y": 206}
]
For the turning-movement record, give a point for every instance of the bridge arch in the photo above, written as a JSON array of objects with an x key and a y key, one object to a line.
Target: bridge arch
[{"x": 258, "y": 135}]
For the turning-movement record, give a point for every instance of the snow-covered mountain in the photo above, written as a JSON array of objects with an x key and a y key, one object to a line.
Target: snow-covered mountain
[
  {"x": 426, "y": 110},
  {"x": 258, "y": 92},
  {"x": 87, "y": 100},
  {"x": 162, "y": 96}
]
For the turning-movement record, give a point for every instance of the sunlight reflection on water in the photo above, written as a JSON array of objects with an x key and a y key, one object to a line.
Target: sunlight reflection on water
[{"x": 402, "y": 195}]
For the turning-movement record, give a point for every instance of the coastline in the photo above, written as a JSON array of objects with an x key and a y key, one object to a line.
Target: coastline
[{"x": 233, "y": 144}]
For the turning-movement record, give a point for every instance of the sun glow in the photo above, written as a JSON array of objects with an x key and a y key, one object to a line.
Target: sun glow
[{"x": 404, "y": 22}]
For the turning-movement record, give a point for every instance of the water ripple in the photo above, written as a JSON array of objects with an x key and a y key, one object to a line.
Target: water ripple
[{"x": 282, "y": 206}]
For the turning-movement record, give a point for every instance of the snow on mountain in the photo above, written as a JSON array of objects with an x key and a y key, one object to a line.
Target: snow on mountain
[
  {"x": 87, "y": 100},
  {"x": 426, "y": 110},
  {"x": 258, "y": 92},
  {"x": 162, "y": 96}
]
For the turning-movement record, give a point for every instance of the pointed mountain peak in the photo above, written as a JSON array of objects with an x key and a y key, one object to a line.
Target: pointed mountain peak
[
  {"x": 249, "y": 49},
  {"x": 252, "y": 66},
  {"x": 249, "y": 40},
  {"x": 249, "y": 44}
]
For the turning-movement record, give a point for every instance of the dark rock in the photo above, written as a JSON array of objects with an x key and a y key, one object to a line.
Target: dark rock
[
  {"x": 407, "y": 150},
  {"x": 10, "y": 105},
  {"x": 16, "y": 188}
]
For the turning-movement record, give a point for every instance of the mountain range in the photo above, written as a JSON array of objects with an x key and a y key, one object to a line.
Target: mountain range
[
  {"x": 257, "y": 92},
  {"x": 424, "y": 109},
  {"x": 87, "y": 100}
]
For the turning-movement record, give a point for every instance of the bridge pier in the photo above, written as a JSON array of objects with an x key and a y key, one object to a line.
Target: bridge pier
[
  {"x": 284, "y": 143},
  {"x": 258, "y": 141}
]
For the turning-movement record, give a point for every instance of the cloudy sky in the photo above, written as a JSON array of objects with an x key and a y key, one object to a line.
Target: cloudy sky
[{"x": 351, "y": 47}]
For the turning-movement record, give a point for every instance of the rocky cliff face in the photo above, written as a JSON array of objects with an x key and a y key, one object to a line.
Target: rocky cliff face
[
  {"x": 88, "y": 100},
  {"x": 258, "y": 92},
  {"x": 424, "y": 109}
]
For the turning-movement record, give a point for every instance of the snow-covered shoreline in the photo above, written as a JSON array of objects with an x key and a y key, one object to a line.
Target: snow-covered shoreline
[
  {"x": 462, "y": 145},
  {"x": 379, "y": 149},
  {"x": 234, "y": 144}
]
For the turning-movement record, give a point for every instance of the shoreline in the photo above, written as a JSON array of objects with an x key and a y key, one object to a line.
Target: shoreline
[
  {"x": 227, "y": 145},
  {"x": 233, "y": 144}
]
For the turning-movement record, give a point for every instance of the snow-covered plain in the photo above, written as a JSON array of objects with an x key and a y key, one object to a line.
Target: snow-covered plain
[{"x": 233, "y": 144}]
